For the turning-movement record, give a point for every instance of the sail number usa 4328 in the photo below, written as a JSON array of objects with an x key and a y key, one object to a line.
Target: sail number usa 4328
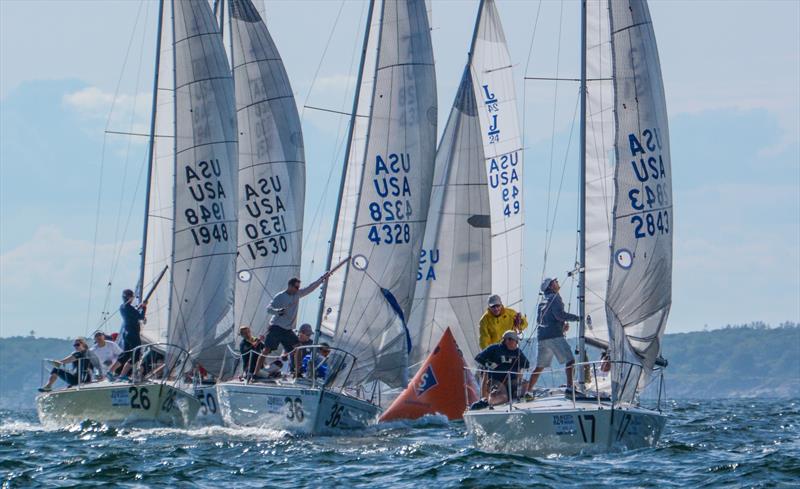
[{"x": 390, "y": 210}]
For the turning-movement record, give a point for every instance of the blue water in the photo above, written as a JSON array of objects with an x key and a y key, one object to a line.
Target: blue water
[{"x": 722, "y": 443}]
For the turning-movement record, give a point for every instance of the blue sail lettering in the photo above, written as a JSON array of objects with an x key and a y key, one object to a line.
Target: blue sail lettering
[
  {"x": 643, "y": 176},
  {"x": 636, "y": 146}
]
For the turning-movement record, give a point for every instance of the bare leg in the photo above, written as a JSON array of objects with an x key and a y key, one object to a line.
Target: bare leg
[
  {"x": 126, "y": 369},
  {"x": 569, "y": 369},
  {"x": 534, "y": 378},
  {"x": 51, "y": 381},
  {"x": 296, "y": 360},
  {"x": 484, "y": 386},
  {"x": 499, "y": 396}
]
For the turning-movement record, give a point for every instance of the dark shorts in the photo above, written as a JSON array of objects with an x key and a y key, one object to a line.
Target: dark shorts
[
  {"x": 127, "y": 354},
  {"x": 277, "y": 335}
]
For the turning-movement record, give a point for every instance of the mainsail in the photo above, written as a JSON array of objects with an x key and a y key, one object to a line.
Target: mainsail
[
  {"x": 206, "y": 154},
  {"x": 628, "y": 189},
  {"x": 493, "y": 85},
  {"x": 271, "y": 168},
  {"x": 386, "y": 196}
]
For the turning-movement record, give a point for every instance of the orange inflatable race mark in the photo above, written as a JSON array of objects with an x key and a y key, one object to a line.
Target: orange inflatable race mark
[{"x": 441, "y": 385}]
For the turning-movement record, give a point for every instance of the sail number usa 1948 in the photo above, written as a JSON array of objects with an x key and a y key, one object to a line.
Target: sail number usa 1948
[
  {"x": 391, "y": 209},
  {"x": 206, "y": 217},
  {"x": 649, "y": 196}
]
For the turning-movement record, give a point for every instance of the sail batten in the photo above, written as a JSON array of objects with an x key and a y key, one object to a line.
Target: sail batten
[
  {"x": 205, "y": 164},
  {"x": 387, "y": 183},
  {"x": 271, "y": 179},
  {"x": 639, "y": 291}
]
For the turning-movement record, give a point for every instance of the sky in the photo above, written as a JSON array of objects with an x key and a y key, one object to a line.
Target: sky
[{"x": 71, "y": 196}]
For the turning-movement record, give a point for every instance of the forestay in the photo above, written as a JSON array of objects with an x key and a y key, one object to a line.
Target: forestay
[
  {"x": 271, "y": 168},
  {"x": 158, "y": 244},
  {"x": 201, "y": 306},
  {"x": 493, "y": 85},
  {"x": 640, "y": 277},
  {"x": 351, "y": 179},
  {"x": 393, "y": 197},
  {"x": 454, "y": 276}
]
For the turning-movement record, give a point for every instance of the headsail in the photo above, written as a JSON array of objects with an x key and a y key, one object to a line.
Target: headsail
[
  {"x": 271, "y": 168},
  {"x": 158, "y": 242},
  {"x": 600, "y": 164},
  {"x": 392, "y": 198},
  {"x": 458, "y": 266},
  {"x": 454, "y": 276},
  {"x": 640, "y": 276},
  {"x": 351, "y": 179},
  {"x": 493, "y": 85},
  {"x": 206, "y": 154}
]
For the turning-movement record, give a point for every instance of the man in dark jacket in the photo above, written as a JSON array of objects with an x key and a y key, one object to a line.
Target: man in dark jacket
[
  {"x": 552, "y": 319},
  {"x": 502, "y": 361},
  {"x": 131, "y": 330}
]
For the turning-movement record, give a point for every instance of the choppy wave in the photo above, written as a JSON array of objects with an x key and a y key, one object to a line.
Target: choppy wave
[{"x": 709, "y": 443}]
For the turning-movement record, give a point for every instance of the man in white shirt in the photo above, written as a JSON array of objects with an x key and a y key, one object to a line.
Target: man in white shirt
[{"x": 104, "y": 354}]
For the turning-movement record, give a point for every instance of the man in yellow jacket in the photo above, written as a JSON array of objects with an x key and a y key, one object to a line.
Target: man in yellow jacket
[{"x": 498, "y": 319}]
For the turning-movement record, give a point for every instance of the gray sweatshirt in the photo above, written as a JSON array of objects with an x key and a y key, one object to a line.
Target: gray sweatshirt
[{"x": 284, "y": 306}]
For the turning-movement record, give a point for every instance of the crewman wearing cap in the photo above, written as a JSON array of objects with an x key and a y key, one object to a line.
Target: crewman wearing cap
[
  {"x": 552, "y": 319},
  {"x": 501, "y": 363},
  {"x": 497, "y": 319}
]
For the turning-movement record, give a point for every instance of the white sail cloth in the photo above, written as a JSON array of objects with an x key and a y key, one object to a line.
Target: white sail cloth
[
  {"x": 206, "y": 154},
  {"x": 454, "y": 277},
  {"x": 640, "y": 273},
  {"x": 158, "y": 241},
  {"x": 392, "y": 200},
  {"x": 271, "y": 168},
  {"x": 493, "y": 84},
  {"x": 354, "y": 169}
]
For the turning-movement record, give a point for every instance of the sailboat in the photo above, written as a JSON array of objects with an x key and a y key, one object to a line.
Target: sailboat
[
  {"x": 473, "y": 239},
  {"x": 189, "y": 230},
  {"x": 377, "y": 234},
  {"x": 625, "y": 251}
]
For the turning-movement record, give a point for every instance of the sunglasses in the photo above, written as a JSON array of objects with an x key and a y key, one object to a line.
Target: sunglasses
[{"x": 76, "y": 344}]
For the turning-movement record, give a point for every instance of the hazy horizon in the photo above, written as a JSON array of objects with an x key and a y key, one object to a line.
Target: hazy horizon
[{"x": 731, "y": 77}]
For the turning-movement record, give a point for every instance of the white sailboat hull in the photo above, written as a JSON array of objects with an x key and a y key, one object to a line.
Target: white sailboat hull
[
  {"x": 145, "y": 404},
  {"x": 557, "y": 426},
  {"x": 209, "y": 412},
  {"x": 298, "y": 409}
]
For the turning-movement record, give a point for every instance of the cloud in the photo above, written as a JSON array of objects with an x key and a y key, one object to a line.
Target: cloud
[
  {"x": 44, "y": 281},
  {"x": 123, "y": 112}
]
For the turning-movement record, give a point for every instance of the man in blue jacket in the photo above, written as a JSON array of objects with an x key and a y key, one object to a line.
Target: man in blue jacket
[
  {"x": 131, "y": 330},
  {"x": 552, "y": 319},
  {"x": 503, "y": 362}
]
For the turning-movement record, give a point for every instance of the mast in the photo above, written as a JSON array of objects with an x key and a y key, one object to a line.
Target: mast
[
  {"x": 150, "y": 149},
  {"x": 582, "y": 231},
  {"x": 353, "y": 115},
  {"x": 475, "y": 34}
]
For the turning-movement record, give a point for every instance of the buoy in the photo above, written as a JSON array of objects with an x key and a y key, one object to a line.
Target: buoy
[{"x": 442, "y": 385}]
